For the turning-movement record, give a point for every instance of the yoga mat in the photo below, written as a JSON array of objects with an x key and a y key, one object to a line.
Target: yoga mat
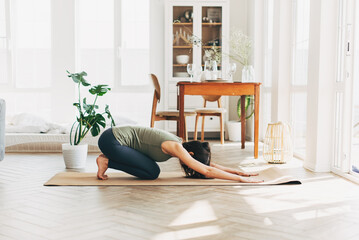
[{"x": 271, "y": 176}]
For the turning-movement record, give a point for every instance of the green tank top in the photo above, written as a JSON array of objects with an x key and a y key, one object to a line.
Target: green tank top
[{"x": 145, "y": 140}]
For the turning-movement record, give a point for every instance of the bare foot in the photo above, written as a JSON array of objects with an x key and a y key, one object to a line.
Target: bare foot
[{"x": 102, "y": 164}]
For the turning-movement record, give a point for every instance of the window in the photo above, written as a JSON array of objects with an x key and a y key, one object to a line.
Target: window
[
  {"x": 4, "y": 56},
  {"x": 135, "y": 42},
  {"x": 112, "y": 46},
  {"x": 25, "y": 68},
  {"x": 101, "y": 26},
  {"x": 31, "y": 38},
  {"x": 113, "y": 41},
  {"x": 95, "y": 40},
  {"x": 300, "y": 75}
]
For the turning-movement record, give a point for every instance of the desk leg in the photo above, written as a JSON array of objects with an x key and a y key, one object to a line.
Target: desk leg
[
  {"x": 256, "y": 121},
  {"x": 177, "y": 122},
  {"x": 243, "y": 120},
  {"x": 181, "y": 113}
]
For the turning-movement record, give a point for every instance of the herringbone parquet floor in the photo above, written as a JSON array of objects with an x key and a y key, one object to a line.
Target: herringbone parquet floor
[{"x": 324, "y": 207}]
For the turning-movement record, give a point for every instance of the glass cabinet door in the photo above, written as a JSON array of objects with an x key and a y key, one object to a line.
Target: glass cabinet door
[
  {"x": 182, "y": 40},
  {"x": 211, "y": 37}
]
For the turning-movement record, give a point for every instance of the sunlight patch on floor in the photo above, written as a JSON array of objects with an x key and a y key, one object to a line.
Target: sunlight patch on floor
[
  {"x": 200, "y": 211},
  {"x": 267, "y": 221},
  {"x": 313, "y": 214}
]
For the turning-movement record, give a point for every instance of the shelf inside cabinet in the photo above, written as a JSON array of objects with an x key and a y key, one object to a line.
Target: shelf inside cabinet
[
  {"x": 179, "y": 65},
  {"x": 211, "y": 24},
  {"x": 183, "y": 24},
  {"x": 183, "y": 47}
]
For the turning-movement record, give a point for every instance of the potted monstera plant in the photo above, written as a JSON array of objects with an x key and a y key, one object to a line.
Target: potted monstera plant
[{"x": 88, "y": 120}]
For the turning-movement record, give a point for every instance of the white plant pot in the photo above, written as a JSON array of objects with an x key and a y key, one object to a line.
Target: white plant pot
[
  {"x": 74, "y": 155},
  {"x": 234, "y": 131}
]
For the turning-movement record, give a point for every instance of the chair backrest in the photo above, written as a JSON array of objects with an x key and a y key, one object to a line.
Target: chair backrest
[
  {"x": 156, "y": 97},
  {"x": 157, "y": 86},
  {"x": 212, "y": 98}
]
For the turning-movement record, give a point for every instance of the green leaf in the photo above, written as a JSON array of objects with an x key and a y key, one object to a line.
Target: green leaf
[
  {"x": 100, "y": 120},
  {"x": 77, "y": 105},
  {"x": 90, "y": 120},
  {"x": 99, "y": 90},
  {"x": 109, "y": 115},
  {"x": 88, "y": 108},
  {"x": 246, "y": 106},
  {"x": 79, "y": 78},
  {"x": 99, "y": 117},
  {"x": 95, "y": 130}
]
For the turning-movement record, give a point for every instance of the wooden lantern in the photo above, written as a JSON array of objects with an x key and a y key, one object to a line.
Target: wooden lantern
[{"x": 277, "y": 146}]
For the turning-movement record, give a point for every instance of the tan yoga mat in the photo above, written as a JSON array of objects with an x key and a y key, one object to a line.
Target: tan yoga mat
[{"x": 271, "y": 176}]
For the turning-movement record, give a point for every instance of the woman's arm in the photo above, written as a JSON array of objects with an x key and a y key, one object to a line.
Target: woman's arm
[
  {"x": 176, "y": 149},
  {"x": 232, "y": 170}
]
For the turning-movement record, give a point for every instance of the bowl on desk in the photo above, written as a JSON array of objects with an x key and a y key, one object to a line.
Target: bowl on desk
[{"x": 182, "y": 59}]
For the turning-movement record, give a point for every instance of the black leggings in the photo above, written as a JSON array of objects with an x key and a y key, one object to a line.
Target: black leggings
[{"x": 127, "y": 159}]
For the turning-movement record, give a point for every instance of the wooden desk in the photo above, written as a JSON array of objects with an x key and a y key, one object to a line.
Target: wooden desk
[{"x": 220, "y": 88}]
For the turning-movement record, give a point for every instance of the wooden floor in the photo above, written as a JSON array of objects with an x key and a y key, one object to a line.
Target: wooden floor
[{"x": 325, "y": 206}]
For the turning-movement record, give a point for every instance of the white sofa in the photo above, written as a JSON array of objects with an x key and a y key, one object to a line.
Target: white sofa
[
  {"x": 27, "y": 132},
  {"x": 41, "y": 142},
  {"x": 2, "y": 128}
]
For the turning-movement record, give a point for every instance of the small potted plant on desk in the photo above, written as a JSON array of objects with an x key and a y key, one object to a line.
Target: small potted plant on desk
[{"x": 88, "y": 120}]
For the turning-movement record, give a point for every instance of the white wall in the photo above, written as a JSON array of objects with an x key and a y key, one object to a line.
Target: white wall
[{"x": 63, "y": 58}]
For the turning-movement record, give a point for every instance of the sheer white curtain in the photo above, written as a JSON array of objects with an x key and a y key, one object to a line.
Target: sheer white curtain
[
  {"x": 300, "y": 75},
  {"x": 25, "y": 70},
  {"x": 268, "y": 60},
  {"x": 31, "y": 38}
]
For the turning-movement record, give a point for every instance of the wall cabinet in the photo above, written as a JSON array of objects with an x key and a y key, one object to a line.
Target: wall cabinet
[{"x": 195, "y": 31}]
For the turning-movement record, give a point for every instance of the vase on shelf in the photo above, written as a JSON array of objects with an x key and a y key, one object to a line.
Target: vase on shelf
[{"x": 248, "y": 73}]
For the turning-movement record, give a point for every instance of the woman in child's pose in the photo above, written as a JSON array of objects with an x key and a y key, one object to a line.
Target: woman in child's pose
[{"x": 135, "y": 150}]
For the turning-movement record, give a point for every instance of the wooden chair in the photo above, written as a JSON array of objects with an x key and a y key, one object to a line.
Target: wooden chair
[
  {"x": 165, "y": 115},
  {"x": 202, "y": 112}
]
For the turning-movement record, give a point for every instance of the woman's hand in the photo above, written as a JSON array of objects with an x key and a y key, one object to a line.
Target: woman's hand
[
  {"x": 250, "y": 180},
  {"x": 213, "y": 171},
  {"x": 245, "y": 174},
  {"x": 233, "y": 170}
]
